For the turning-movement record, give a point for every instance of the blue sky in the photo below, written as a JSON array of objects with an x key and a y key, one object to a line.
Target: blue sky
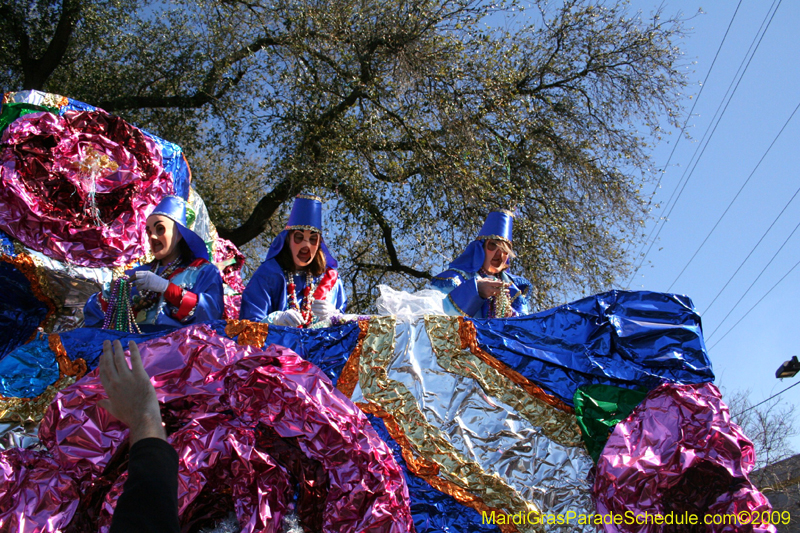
[{"x": 766, "y": 96}]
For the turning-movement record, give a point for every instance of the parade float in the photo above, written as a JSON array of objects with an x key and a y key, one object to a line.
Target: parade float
[{"x": 596, "y": 415}]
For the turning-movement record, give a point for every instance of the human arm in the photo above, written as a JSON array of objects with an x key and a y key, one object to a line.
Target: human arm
[
  {"x": 257, "y": 298},
  {"x": 149, "y": 501},
  {"x": 462, "y": 295},
  {"x": 194, "y": 294}
]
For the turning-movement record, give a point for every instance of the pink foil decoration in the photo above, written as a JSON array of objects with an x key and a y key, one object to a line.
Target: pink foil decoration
[
  {"x": 227, "y": 407},
  {"x": 224, "y": 251},
  {"x": 77, "y": 186},
  {"x": 34, "y": 490},
  {"x": 678, "y": 452}
]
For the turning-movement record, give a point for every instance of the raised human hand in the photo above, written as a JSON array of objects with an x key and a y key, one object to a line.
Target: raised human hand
[{"x": 131, "y": 397}]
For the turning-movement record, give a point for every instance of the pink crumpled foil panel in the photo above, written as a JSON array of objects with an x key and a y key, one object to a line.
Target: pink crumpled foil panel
[
  {"x": 51, "y": 181},
  {"x": 226, "y": 406},
  {"x": 678, "y": 452}
]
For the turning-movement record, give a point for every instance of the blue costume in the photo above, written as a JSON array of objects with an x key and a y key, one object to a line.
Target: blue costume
[
  {"x": 459, "y": 282},
  {"x": 194, "y": 294},
  {"x": 267, "y": 292}
]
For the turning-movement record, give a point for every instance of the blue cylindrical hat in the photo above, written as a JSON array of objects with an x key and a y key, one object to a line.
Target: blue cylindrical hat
[
  {"x": 174, "y": 208},
  {"x": 498, "y": 225},
  {"x": 306, "y": 215}
]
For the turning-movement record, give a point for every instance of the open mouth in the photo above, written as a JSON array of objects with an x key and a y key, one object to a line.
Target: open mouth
[
  {"x": 156, "y": 247},
  {"x": 304, "y": 256}
]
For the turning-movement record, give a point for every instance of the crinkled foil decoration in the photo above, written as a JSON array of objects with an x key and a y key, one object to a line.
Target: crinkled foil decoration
[
  {"x": 39, "y": 98},
  {"x": 247, "y": 333},
  {"x": 36, "y": 493},
  {"x": 448, "y": 422},
  {"x": 230, "y": 261},
  {"x": 30, "y": 383},
  {"x": 348, "y": 378},
  {"x": 598, "y": 408},
  {"x": 15, "y": 435},
  {"x": 556, "y": 425},
  {"x": 31, "y": 410},
  {"x": 469, "y": 340},
  {"x": 25, "y": 306},
  {"x": 70, "y": 286},
  {"x": 678, "y": 452},
  {"x": 77, "y": 186},
  {"x": 6, "y": 244},
  {"x": 11, "y": 112},
  {"x": 436, "y": 504},
  {"x": 629, "y": 339},
  {"x": 248, "y": 425}
]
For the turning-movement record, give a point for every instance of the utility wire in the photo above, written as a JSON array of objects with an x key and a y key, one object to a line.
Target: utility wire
[
  {"x": 754, "y": 305},
  {"x": 731, "y": 204},
  {"x": 688, "y": 117},
  {"x": 755, "y": 280},
  {"x": 662, "y": 218},
  {"x": 753, "y": 249},
  {"x": 768, "y": 399}
]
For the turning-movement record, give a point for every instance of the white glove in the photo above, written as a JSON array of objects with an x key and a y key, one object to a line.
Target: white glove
[
  {"x": 147, "y": 281},
  {"x": 291, "y": 318},
  {"x": 323, "y": 309}
]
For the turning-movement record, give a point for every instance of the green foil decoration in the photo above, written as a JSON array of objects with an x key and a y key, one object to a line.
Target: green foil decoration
[{"x": 599, "y": 408}]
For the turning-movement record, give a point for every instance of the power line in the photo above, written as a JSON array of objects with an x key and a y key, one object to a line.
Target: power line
[
  {"x": 718, "y": 117},
  {"x": 754, "y": 305},
  {"x": 689, "y": 116},
  {"x": 731, "y": 204},
  {"x": 768, "y": 399},
  {"x": 753, "y": 250},
  {"x": 755, "y": 280}
]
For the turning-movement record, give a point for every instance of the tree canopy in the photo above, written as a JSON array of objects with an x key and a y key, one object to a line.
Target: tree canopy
[{"x": 413, "y": 118}]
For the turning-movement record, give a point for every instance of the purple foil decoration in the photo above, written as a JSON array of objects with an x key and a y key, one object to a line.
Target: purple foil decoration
[
  {"x": 77, "y": 187},
  {"x": 227, "y": 408},
  {"x": 680, "y": 453}
]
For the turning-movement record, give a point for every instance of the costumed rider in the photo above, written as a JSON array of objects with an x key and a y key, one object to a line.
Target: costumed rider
[
  {"x": 478, "y": 283},
  {"x": 297, "y": 285},
  {"x": 178, "y": 288}
]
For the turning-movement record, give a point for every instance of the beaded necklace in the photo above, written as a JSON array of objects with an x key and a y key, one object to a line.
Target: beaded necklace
[
  {"x": 119, "y": 315},
  {"x": 308, "y": 296},
  {"x": 146, "y": 300},
  {"x": 500, "y": 305}
]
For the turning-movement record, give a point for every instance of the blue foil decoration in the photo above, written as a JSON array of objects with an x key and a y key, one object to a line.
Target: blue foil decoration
[
  {"x": 6, "y": 244},
  {"x": 622, "y": 338},
  {"x": 21, "y": 312},
  {"x": 27, "y": 371}
]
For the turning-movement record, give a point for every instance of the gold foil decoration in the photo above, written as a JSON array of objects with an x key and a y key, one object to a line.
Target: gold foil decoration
[
  {"x": 469, "y": 340},
  {"x": 348, "y": 377},
  {"x": 31, "y": 410},
  {"x": 66, "y": 366},
  {"x": 556, "y": 425},
  {"x": 423, "y": 438},
  {"x": 249, "y": 333}
]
